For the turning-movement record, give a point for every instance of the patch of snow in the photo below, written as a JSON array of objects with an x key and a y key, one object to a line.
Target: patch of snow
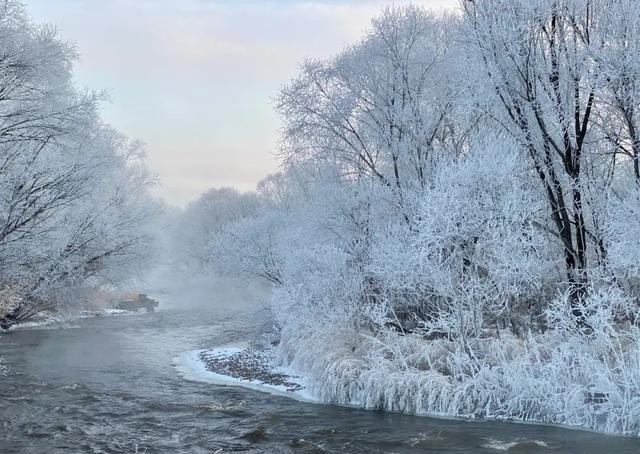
[
  {"x": 43, "y": 324},
  {"x": 64, "y": 321},
  {"x": 193, "y": 366}
]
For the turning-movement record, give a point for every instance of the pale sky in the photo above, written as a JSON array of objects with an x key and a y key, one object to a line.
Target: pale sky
[{"x": 195, "y": 79}]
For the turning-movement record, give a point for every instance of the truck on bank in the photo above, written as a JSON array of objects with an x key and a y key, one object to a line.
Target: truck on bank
[{"x": 136, "y": 301}]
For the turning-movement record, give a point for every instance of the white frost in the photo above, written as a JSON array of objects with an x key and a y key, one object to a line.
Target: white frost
[{"x": 192, "y": 367}]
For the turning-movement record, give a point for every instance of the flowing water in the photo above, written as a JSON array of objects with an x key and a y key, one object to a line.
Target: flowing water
[{"x": 108, "y": 385}]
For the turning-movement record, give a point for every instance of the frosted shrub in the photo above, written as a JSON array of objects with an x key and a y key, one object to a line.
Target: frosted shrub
[
  {"x": 590, "y": 371},
  {"x": 457, "y": 264},
  {"x": 562, "y": 376}
]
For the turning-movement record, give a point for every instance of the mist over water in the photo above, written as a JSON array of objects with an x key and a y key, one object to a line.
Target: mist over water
[{"x": 108, "y": 385}]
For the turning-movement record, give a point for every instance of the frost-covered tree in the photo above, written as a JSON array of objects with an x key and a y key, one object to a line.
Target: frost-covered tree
[
  {"x": 565, "y": 86},
  {"x": 386, "y": 108},
  {"x": 619, "y": 61},
  {"x": 194, "y": 228},
  {"x": 73, "y": 192},
  {"x": 455, "y": 227}
]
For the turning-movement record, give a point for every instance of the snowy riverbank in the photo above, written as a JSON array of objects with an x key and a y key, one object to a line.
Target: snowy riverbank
[
  {"x": 66, "y": 320},
  {"x": 243, "y": 367},
  {"x": 517, "y": 390}
]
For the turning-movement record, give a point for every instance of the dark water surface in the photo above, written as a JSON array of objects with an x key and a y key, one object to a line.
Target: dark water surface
[{"x": 108, "y": 386}]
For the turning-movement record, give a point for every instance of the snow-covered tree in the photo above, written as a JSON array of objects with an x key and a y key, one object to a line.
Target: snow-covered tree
[
  {"x": 565, "y": 86},
  {"x": 73, "y": 192},
  {"x": 454, "y": 230},
  {"x": 386, "y": 108},
  {"x": 194, "y": 228}
]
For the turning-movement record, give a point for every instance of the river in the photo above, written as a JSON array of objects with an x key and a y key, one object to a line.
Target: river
[{"x": 108, "y": 385}]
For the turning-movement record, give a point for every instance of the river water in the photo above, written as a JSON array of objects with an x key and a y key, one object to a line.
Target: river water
[{"x": 108, "y": 385}]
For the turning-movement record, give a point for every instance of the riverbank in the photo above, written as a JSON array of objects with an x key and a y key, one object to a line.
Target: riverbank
[
  {"x": 244, "y": 367},
  {"x": 496, "y": 393},
  {"x": 59, "y": 320}
]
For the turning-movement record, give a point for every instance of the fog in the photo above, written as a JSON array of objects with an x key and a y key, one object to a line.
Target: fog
[{"x": 202, "y": 292}]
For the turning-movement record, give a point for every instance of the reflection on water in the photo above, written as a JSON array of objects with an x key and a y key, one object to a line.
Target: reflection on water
[{"x": 108, "y": 386}]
